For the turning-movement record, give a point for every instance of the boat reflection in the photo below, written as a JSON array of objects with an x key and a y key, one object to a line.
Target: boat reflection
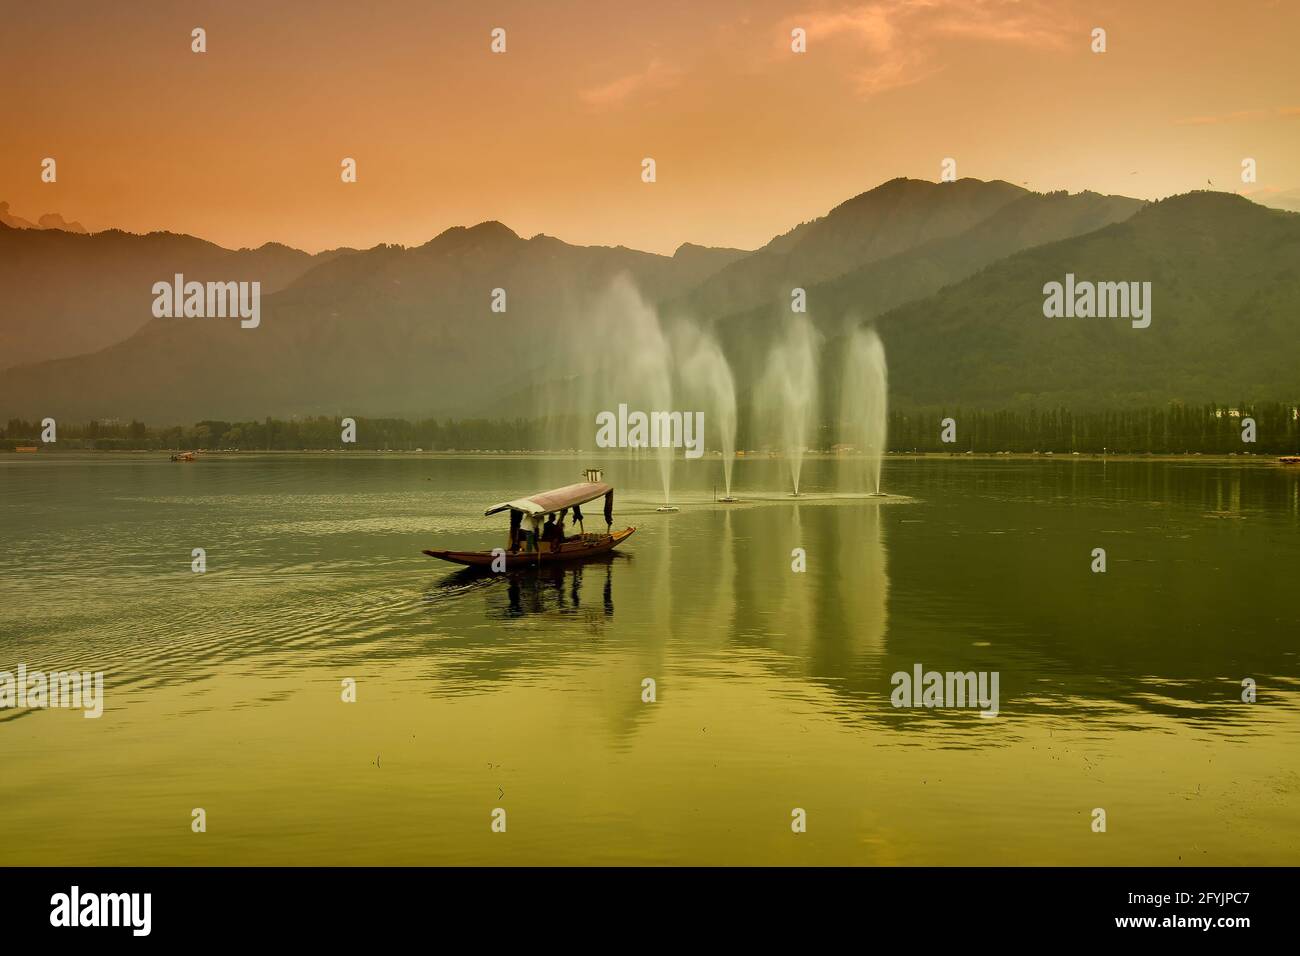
[{"x": 585, "y": 588}]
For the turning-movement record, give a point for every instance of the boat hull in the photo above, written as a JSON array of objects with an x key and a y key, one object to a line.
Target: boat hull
[{"x": 588, "y": 546}]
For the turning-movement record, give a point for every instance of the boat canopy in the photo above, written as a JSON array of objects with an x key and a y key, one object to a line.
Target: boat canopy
[{"x": 545, "y": 502}]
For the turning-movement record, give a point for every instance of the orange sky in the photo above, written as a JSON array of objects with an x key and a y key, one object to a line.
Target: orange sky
[{"x": 242, "y": 144}]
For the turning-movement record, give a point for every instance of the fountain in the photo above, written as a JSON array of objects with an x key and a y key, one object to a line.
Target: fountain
[
  {"x": 707, "y": 378},
  {"x": 646, "y": 369},
  {"x": 790, "y": 390},
  {"x": 637, "y": 366},
  {"x": 863, "y": 406}
]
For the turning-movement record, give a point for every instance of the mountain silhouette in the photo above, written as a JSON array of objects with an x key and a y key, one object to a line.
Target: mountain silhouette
[
  {"x": 65, "y": 293},
  {"x": 898, "y": 215},
  {"x": 952, "y": 273},
  {"x": 51, "y": 220},
  {"x": 1225, "y": 291},
  {"x": 389, "y": 329}
]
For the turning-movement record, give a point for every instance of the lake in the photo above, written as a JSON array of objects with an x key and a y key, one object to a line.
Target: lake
[{"x": 1120, "y": 691}]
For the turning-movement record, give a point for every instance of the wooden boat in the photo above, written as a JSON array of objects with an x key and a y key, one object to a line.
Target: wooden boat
[
  {"x": 530, "y": 550},
  {"x": 183, "y": 456},
  {"x": 1289, "y": 460},
  {"x": 574, "y": 549}
]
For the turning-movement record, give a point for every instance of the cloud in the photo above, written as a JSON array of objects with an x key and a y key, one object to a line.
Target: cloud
[
  {"x": 1240, "y": 116},
  {"x": 902, "y": 37},
  {"x": 1005, "y": 21},
  {"x": 657, "y": 75}
]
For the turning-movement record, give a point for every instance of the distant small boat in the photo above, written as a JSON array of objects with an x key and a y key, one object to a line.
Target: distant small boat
[
  {"x": 549, "y": 544},
  {"x": 183, "y": 456},
  {"x": 26, "y": 449},
  {"x": 1289, "y": 460}
]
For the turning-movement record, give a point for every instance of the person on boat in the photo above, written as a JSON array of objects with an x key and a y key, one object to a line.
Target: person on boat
[
  {"x": 515, "y": 537},
  {"x": 551, "y": 534},
  {"x": 531, "y": 523}
]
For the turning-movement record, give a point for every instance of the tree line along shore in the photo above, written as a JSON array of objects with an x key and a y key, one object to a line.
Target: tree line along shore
[{"x": 1175, "y": 429}]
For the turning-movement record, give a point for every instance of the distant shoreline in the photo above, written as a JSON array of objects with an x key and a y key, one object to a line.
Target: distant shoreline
[{"x": 161, "y": 454}]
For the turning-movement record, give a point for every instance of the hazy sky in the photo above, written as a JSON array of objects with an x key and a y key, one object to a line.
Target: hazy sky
[{"x": 242, "y": 144}]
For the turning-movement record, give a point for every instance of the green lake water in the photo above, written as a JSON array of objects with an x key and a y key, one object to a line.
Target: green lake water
[{"x": 1120, "y": 690}]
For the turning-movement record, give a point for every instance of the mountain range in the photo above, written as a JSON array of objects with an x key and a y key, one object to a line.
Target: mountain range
[
  {"x": 51, "y": 220},
  {"x": 65, "y": 293},
  {"x": 952, "y": 274},
  {"x": 1225, "y": 317}
]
